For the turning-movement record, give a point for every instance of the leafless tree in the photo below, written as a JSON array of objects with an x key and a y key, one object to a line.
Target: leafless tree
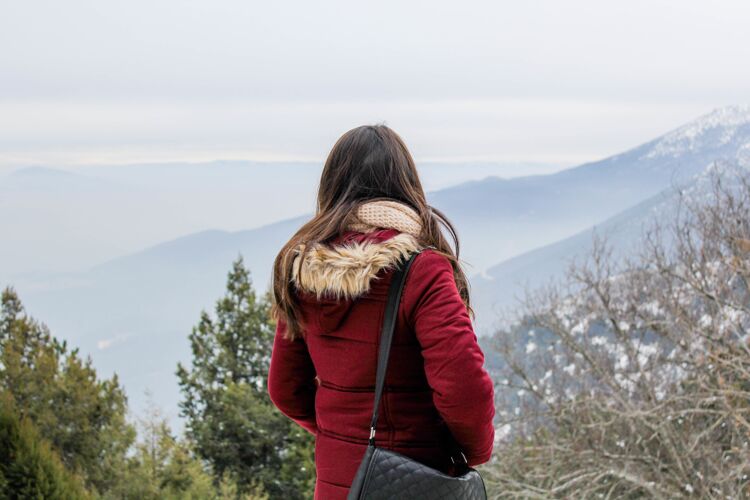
[{"x": 630, "y": 378}]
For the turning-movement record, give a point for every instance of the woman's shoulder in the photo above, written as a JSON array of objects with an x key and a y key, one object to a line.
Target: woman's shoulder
[
  {"x": 429, "y": 261},
  {"x": 430, "y": 293},
  {"x": 431, "y": 269}
]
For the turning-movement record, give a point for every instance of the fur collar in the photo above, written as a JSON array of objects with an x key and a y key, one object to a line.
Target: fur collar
[{"x": 345, "y": 271}]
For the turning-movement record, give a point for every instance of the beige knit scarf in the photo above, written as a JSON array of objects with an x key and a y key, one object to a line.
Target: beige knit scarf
[{"x": 386, "y": 214}]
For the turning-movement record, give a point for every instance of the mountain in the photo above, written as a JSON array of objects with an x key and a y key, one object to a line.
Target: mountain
[
  {"x": 91, "y": 214},
  {"x": 501, "y": 218},
  {"x": 135, "y": 312},
  {"x": 498, "y": 290},
  {"x": 68, "y": 220}
]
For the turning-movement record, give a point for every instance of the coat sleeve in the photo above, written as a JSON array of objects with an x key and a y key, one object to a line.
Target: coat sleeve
[
  {"x": 291, "y": 380},
  {"x": 463, "y": 391}
]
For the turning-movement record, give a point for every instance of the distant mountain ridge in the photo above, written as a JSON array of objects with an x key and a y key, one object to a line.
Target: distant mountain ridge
[
  {"x": 497, "y": 290},
  {"x": 142, "y": 306},
  {"x": 512, "y": 216},
  {"x": 91, "y": 214}
]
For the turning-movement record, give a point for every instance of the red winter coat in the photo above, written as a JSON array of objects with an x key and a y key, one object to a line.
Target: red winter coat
[{"x": 435, "y": 383}]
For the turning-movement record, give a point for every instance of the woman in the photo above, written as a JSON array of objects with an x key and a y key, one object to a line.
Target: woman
[{"x": 330, "y": 285}]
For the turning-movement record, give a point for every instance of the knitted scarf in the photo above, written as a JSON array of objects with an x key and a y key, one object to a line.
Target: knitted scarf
[{"x": 386, "y": 214}]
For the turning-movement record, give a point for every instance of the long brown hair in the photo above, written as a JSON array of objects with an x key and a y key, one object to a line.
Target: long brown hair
[{"x": 366, "y": 163}]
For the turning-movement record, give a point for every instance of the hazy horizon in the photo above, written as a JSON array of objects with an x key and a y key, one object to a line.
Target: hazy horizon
[{"x": 482, "y": 81}]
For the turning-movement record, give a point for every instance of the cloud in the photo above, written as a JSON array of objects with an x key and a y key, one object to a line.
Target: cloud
[{"x": 107, "y": 343}]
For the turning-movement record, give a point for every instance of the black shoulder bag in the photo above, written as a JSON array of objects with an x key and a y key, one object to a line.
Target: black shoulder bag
[{"x": 385, "y": 474}]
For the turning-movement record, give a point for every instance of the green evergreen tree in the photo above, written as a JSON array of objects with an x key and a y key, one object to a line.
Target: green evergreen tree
[
  {"x": 29, "y": 468},
  {"x": 82, "y": 416},
  {"x": 229, "y": 415}
]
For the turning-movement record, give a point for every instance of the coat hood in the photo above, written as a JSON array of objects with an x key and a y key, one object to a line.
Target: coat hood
[{"x": 337, "y": 273}]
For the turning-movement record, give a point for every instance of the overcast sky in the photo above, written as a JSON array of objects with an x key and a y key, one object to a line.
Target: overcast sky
[{"x": 549, "y": 81}]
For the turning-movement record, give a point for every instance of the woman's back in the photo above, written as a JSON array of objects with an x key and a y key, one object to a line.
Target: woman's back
[
  {"x": 330, "y": 287},
  {"x": 436, "y": 386}
]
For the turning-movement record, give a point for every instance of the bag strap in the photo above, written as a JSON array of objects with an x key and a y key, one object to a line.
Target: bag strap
[{"x": 386, "y": 335}]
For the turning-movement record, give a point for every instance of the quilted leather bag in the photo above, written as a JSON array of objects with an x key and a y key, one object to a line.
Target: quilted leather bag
[{"x": 385, "y": 474}]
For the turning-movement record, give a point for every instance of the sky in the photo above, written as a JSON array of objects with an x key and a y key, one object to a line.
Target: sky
[{"x": 94, "y": 82}]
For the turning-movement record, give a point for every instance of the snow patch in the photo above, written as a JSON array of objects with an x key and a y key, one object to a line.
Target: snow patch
[{"x": 713, "y": 130}]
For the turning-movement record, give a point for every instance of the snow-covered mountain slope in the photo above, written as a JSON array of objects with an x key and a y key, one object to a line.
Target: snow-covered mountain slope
[{"x": 723, "y": 131}]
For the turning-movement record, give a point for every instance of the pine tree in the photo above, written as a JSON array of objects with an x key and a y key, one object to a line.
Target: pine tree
[
  {"x": 225, "y": 401},
  {"x": 81, "y": 416},
  {"x": 29, "y": 467}
]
